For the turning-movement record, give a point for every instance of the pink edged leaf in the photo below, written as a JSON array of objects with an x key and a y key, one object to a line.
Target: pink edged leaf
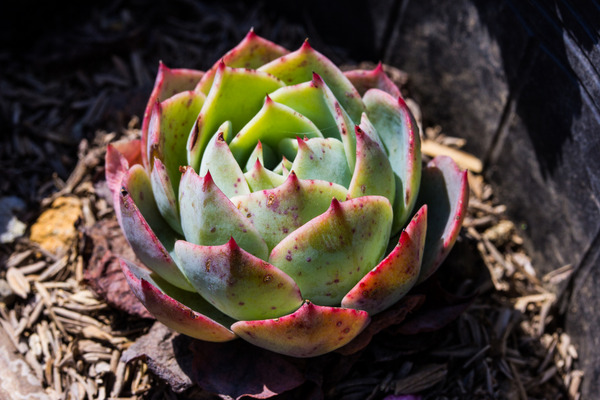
[
  {"x": 277, "y": 212},
  {"x": 329, "y": 254},
  {"x": 323, "y": 159},
  {"x": 259, "y": 178},
  {"x": 310, "y": 331},
  {"x": 373, "y": 174},
  {"x": 168, "y": 130},
  {"x": 392, "y": 316},
  {"x": 236, "y": 282},
  {"x": 164, "y": 195},
  {"x": 400, "y": 137},
  {"x": 190, "y": 314},
  {"x": 376, "y": 78},
  {"x": 209, "y": 218},
  {"x": 236, "y": 95},
  {"x": 102, "y": 271},
  {"x": 239, "y": 370},
  {"x": 272, "y": 123},
  {"x": 396, "y": 274},
  {"x": 119, "y": 156},
  {"x": 168, "y": 83},
  {"x": 445, "y": 189},
  {"x": 252, "y": 52},
  {"x": 299, "y": 66},
  {"x": 146, "y": 231},
  {"x": 223, "y": 167}
]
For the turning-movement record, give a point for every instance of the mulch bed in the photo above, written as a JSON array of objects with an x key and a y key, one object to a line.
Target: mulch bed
[{"x": 80, "y": 86}]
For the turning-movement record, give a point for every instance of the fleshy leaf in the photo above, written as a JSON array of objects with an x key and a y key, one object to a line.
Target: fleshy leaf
[
  {"x": 400, "y": 137},
  {"x": 150, "y": 237},
  {"x": 168, "y": 83},
  {"x": 223, "y": 167},
  {"x": 323, "y": 159},
  {"x": 277, "y": 212},
  {"x": 299, "y": 66},
  {"x": 168, "y": 131},
  {"x": 166, "y": 201},
  {"x": 445, "y": 190},
  {"x": 271, "y": 124},
  {"x": 209, "y": 218},
  {"x": 252, "y": 52},
  {"x": 238, "y": 283},
  {"x": 236, "y": 95},
  {"x": 329, "y": 254},
  {"x": 190, "y": 314},
  {"x": 119, "y": 156},
  {"x": 376, "y": 78},
  {"x": 260, "y": 178},
  {"x": 395, "y": 275},
  {"x": 310, "y": 331},
  {"x": 262, "y": 153},
  {"x": 373, "y": 174}
]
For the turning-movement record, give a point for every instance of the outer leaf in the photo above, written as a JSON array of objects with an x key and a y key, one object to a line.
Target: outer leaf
[
  {"x": 399, "y": 135},
  {"x": 168, "y": 83},
  {"x": 252, "y": 52},
  {"x": 187, "y": 314},
  {"x": 271, "y": 124},
  {"x": 208, "y": 217},
  {"x": 150, "y": 237},
  {"x": 329, "y": 254},
  {"x": 119, "y": 156},
  {"x": 395, "y": 275},
  {"x": 311, "y": 331},
  {"x": 237, "y": 283},
  {"x": 323, "y": 159},
  {"x": 236, "y": 95},
  {"x": 223, "y": 167},
  {"x": 445, "y": 190},
  {"x": 376, "y": 78},
  {"x": 168, "y": 131},
  {"x": 277, "y": 212},
  {"x": 299, "y": 66},
  {"x": 373, "y": 174},
  {"x": 166, "y": 201}
]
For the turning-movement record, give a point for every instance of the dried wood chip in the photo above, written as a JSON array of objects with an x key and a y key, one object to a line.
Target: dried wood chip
[{"x": 18, "y": 283}]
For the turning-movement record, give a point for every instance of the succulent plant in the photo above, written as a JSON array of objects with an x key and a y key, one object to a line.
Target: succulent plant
[{"x": 272, "y": 198}]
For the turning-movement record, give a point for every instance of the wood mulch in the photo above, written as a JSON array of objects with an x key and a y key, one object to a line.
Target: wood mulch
[{"x": 61, "y": 104}]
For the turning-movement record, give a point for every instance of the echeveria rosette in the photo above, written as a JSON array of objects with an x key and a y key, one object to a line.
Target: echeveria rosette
[{"x": 273, "y": 198}]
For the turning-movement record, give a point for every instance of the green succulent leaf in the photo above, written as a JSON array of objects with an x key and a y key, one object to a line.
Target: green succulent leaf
[
  {"x": 445, "y": 190},
  {"x": 237, "y": 283},
  {"x": 373, "y": 174},
  {"x": 165, "y": 198},
  {"x": 168, "y": 131},
  {"x": 149, "y": 235},
  {"x": 277, "y": 212},
  {"x": 190, "y": 314},
  {"x": 397, "y": 130},
  {"x": 393, "y": 277},
  {"x": 236, "y": 95},
  {"x": 309, "y": 332},
  {"x": 260, "y": 178},
  {"x": 323, "y": 159},
  {"x": 329, "y": 254},
  {"x": 221, "y": 164},
  {"x": 299, "y": 66},
  {"x": 168, "y": 83},
  {"x": 270, "y": 125},
  {"x": 252, "y": 52},
  {"x": 209, "y": 218}
]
